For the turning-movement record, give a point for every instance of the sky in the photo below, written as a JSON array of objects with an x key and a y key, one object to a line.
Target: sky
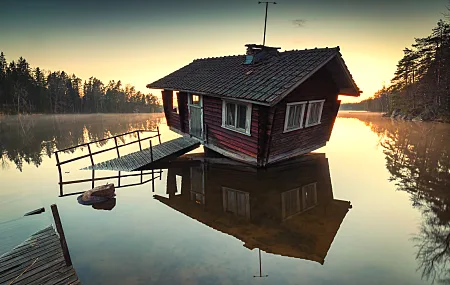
[{"x": 139, "y": 42}]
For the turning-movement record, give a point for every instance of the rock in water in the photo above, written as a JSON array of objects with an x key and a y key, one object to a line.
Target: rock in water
[
  {"x": 106, "y": 205},
  {"x": 105, "y": 191}
]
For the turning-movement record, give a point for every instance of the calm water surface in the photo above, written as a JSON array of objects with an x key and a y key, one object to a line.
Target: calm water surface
[{"x": 372, "y": 207}]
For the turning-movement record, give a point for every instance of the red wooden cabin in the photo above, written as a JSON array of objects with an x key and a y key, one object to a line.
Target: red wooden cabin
[{"x": 259, "y": 108}]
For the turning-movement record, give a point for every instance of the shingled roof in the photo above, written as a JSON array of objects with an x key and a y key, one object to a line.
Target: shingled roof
[{"x": 265, "y": 83}]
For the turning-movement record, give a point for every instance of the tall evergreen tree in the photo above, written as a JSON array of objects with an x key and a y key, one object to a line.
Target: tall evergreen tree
[{"x": 26, "y": 90}]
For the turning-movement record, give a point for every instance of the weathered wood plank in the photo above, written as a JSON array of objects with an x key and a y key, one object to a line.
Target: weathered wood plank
[
  {"x": 136, "y": 160},
  {"x": 38, "y": 260}
]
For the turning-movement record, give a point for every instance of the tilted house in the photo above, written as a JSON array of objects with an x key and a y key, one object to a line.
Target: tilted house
[
  {"x": 298, "y": 218},
  {"x": 259, "y": 108}
]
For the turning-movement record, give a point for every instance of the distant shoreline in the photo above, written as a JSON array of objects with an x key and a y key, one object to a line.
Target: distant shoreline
[{"x": 387, "y": 116}]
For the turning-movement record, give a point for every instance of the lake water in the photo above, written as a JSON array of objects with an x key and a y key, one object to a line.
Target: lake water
[{"x": 372, "y": 207}]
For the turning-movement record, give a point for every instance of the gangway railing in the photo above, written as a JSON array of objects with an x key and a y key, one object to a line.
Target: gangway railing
[
  {"x": 155, "y": 174},
  {"x": 116, "y": 147}
]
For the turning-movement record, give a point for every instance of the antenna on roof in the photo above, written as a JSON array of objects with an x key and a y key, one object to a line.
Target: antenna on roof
[{"x": 265, "y": 20}]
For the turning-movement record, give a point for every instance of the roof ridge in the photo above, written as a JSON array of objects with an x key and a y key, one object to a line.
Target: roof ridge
[
  {"x": 218, "y": 57},
  {"x": 337, "y": 48}
]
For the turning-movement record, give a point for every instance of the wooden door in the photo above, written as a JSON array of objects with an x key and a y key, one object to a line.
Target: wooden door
[{"x": 196, "y": 116}]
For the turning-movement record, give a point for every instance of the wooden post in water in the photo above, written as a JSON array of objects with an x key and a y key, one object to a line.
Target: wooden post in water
[
  {"x": 153, "y": 180},
  {"x": 117, "y": 148},
  {"x": 151, "y": 150},
  {"x": 90, "y": 155},
  {"x": 93, "y": 178},
  {"x": 159, "y": 135},
  {"x": 139, "y": 140},
  {"x": 62, "y": 237},
  {"x": 60, "y": 173}
]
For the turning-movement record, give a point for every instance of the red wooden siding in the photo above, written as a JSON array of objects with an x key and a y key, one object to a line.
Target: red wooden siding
[
  {"x": 184, "y": 111},
  {"x": 319, "y": 86},
  {"x": 226, "y": 139}
]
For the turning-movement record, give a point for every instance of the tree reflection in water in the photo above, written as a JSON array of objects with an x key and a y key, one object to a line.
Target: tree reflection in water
[
  {"x": 26, "y": 139},
  {"x": 418, "y": 159}
]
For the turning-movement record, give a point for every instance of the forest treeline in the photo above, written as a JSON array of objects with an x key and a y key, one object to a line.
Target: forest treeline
[
  {"x": 421, "y": 84},
  {"x": 29, "y": 139},
  {"x": 31, "y": 90}
]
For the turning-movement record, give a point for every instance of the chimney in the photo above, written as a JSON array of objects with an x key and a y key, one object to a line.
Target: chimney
[{"x": 258, "y": 53}]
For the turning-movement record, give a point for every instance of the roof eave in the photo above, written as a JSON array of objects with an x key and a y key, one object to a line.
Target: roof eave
[
  {"x": 350, "y": 79},
  {"x": 209, "y": 94},
  {"x": 350, "y": 92}
]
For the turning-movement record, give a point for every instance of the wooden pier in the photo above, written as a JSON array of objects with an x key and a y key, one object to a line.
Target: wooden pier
[
  {"x": 38, "y": 260},
  {"x": 133, "y": 161},
  {"x": 153, "y": 154}
]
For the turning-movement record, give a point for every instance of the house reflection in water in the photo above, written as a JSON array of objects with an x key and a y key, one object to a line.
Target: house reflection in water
[{"x": 287, "y": 209}]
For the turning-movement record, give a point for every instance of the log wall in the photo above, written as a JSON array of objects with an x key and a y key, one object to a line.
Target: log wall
[{"x": 284, "y": 145}]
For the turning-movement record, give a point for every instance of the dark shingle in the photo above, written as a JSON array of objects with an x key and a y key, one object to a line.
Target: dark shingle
[{"x": 261, "y": 83}]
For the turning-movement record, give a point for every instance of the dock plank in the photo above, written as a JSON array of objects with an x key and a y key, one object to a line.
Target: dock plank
[
  {"x": 38, "y": 260},
  {"x": 139, "y": 159}
]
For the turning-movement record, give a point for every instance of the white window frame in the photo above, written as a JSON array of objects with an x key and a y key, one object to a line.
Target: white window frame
[
  {"x": 248, "y": 117},
  {"x": 225, "y": 191},
  {"x": 284, "y": 202},
  {"x": 286, "y": 118},
  {"x": 304, "y": 188},
  {"x": 308, "y": 114}
]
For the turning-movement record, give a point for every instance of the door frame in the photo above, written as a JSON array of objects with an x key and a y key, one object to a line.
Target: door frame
[{"x": 199, "y": 106}]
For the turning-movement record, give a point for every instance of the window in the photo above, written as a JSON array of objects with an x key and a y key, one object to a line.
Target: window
[
  {"x": 314, "y": 114},
  {"x": 175, "y": 103},
  {"x": 248, "y": 59},
  {"x": 309, "y": 196},
  {"x": 236, "y": 202},
  {"x": 236, "y": 116},
  {"x": 195, "y": 99},
  {"x": 290, "y": 201},
  {"x": 298, "y": 200},
  {"x": 294, "y": 116}
]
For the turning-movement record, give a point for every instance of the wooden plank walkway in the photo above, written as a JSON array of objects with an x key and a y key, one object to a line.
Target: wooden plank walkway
[
  {"x": 136, "y": 160},
  {"x": 38, "y": 260}
]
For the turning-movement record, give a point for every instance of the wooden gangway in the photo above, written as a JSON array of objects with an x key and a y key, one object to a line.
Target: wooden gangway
[
  {"x": 133, "y": 161},
  {"x": 145, "y": 157},
  {"x": 38, "y": 260}
]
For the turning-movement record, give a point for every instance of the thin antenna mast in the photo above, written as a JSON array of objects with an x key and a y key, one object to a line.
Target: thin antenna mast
[
  {"x": 260, "y": 266},
  {"x": 265, "y": 20}
]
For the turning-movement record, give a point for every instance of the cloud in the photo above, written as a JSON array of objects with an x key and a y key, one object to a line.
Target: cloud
[{"x": 299, "y": 22}]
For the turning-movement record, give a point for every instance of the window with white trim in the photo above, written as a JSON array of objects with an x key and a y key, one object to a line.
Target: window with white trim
[
  {"x": 294, "y": 116},
  {"x": 236, "y": 116},
  {"x": 175, "y": 103},
  {"x": 314, "y": 114},
  {"x": 236, "y": 202},
  {"x": 290, "y": 203},
  {"x": 309, "y": 196}
]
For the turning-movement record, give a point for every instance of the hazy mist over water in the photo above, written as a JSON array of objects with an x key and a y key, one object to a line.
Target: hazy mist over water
[{"x": 395, "y": 175}]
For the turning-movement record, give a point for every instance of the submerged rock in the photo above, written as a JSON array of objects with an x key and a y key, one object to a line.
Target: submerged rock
[
  {"x": 102, "y": 196},
  {"x": 105, "y": 191},
  {"x": 106, "y": 205}
]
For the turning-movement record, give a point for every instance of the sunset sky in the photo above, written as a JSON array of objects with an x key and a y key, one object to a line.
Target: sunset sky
[{"x": 141, "y": 41}]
